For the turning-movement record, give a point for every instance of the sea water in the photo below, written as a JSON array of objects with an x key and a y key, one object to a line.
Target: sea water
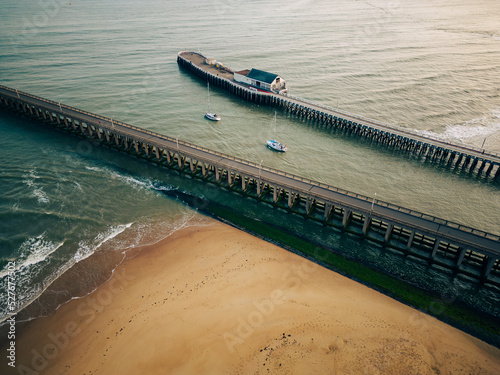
[{"x": 431, "y": 66}]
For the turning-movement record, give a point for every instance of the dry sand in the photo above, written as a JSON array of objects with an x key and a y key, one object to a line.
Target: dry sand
[{"x": 215, "y": 300}]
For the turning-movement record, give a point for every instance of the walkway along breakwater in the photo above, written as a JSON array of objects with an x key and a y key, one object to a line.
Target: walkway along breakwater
[
  {"x": 456, "y": 157},
  {"x": 453, "y": 246}
]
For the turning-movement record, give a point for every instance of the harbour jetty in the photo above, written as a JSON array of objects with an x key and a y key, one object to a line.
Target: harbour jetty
[
  {"x": 456, "y": 157},
  {"x": 452, "y": 246}
]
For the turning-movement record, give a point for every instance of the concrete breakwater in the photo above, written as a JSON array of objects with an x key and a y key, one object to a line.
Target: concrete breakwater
[{"x": 455, "y": 157}]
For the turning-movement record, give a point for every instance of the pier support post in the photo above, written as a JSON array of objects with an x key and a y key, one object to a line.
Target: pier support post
[
  {"x": 117, "y": 141},
  {"x": 481, "y": 167},
  {"x": 490, "y": 167},
  {"x": 435, "y": 249},
  {"x": 473, "y": 164},
  {"x": 366, "y": 224},
  {"x": 193, "y": 165},
  {"x": 243, "y": 183},
  {"x": 328, "y": 210},
  {"x": 167, "y": 154},
  {"x": 488, "y": 266},
  {"x": 346, "y": 218},
  {"x": 388, "y": 232},
  {"x": 291, "y": 198},
  {"x": 497, "y": 174},
  {"x": 453, "y": 154},
  {"x": 217, "y": 174},
  {"x": 410, "y": 240},
  {"x": 276, "y": 193},
  {"x": 308, "y": 204},
  {"x": 460, "y": 258}
]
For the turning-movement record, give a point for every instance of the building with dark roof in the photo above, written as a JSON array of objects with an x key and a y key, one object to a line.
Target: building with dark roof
[{"x": 261, "y": 80}]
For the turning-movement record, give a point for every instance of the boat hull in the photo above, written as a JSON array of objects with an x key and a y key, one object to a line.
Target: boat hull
[
  {"x": 212, "y": 117},
  {"x": 276, "y": 146}
]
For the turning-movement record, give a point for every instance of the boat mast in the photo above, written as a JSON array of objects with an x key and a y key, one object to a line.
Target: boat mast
[
  {"x": 275, "y": 126},
  {"x": 208, "y": 99}
]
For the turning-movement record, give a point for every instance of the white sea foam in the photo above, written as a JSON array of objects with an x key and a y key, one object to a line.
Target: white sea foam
[
  {"x": 139, "y": 183},
  {"x": 86, "y": 249},
  {"x": 33, "y": 251},
  {"x": 143, "y": 184},
  {"x": 475, "y": 132},
  {"x": 95, "y": 169},
  {"x": 32, "y": 257},
  {"x": 37, "y": 191}
]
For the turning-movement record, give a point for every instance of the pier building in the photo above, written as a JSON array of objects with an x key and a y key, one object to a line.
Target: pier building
[{"x": 261, "y": 80}]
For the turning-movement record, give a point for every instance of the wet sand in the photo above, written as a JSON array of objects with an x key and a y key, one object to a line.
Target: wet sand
[{"x": 216, "y": 300}]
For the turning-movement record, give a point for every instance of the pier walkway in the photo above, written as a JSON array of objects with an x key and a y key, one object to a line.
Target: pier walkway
[
  {"x": 451, "y": 245},
  {"x": 473, "y": 160}
]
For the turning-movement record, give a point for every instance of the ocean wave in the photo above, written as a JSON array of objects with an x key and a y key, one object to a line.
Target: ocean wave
[
  {"x": 139, "y": 183},
  {"x": 94, "y": 169},
  {"x": 37, "y": 192},
  {"x": 482, "y": 131},
  {"x": 86, "y": 249},
  {"x": 33, "y": 251},
  {"x": 34, "y": 254}
]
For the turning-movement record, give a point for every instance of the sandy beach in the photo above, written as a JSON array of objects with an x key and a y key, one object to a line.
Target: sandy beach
[{"x": 216, "y": 300}]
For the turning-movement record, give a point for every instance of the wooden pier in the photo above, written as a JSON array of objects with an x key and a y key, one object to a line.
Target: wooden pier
[
  {"x": 453, "y": 246},
  {"x": 475, "y": 161}
]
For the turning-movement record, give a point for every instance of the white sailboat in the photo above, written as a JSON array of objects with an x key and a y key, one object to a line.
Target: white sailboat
[
  {"x": 211, "y": 115},
  {"x": 273, "y": 144}
]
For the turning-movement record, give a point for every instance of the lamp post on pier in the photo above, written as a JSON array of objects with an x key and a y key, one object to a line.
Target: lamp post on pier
[{"x": 373, "y": 202}]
